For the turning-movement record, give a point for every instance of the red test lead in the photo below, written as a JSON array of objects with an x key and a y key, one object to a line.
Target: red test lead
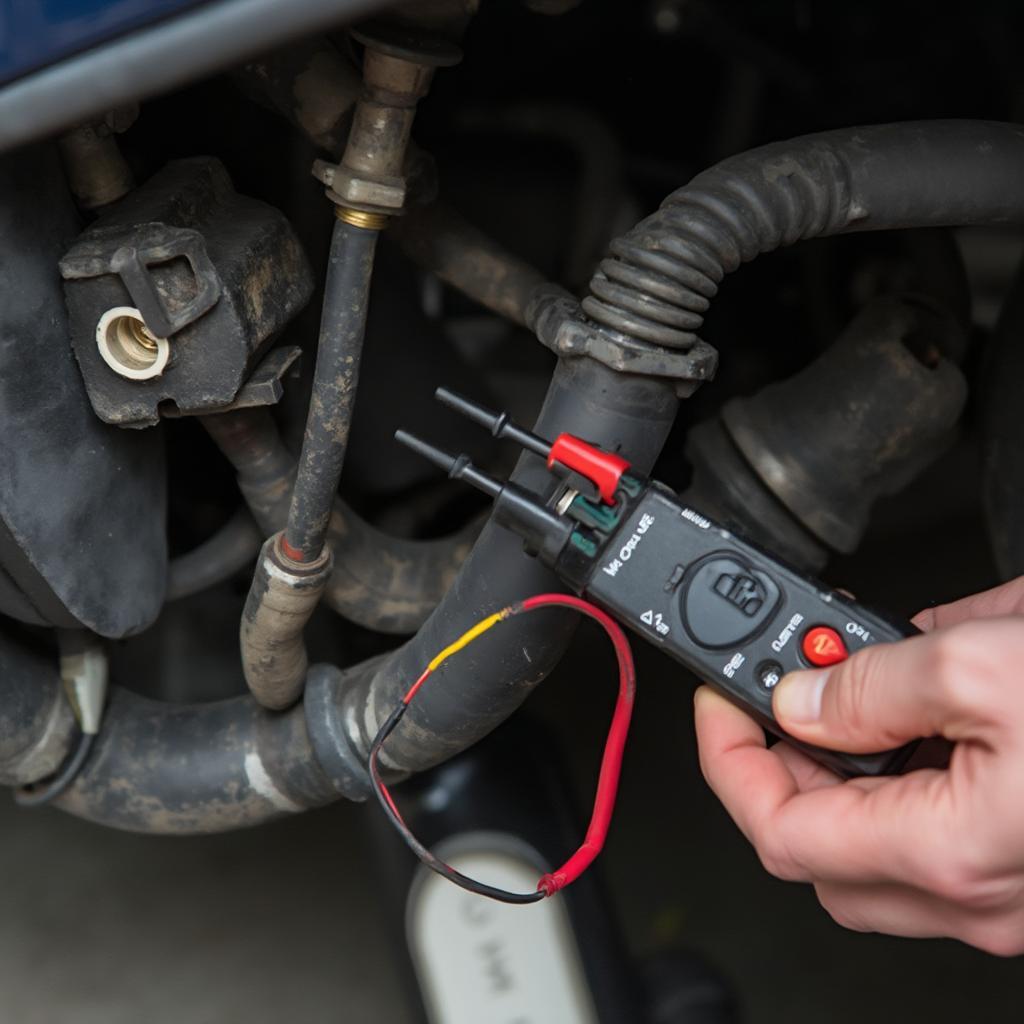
[{"x": 608, "y": 777}]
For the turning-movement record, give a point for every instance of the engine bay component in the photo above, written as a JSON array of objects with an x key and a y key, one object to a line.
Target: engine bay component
[
  {"x": 283, "y": 595},
  {"x": 585, "y": 398},
  {"x": 390, "y": 584},
  {"x": 96, "y": 556},
  {"x": 342, "y": 327},
  {"x": 37, "y": 723},
  {"x": 398, "y": 65},
  {"x": 881, "y": 402},
  {"x": 649, "y": 296},
  {"x": 294, "y": 570},
  {"x": 723, "y": 608},
  {"x": 128, "y": 346},
  {"x": 176, "y": 292},
  {"x": 97, "y": 172}
]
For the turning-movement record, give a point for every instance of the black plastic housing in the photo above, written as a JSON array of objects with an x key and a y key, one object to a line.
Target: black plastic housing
[{"x": 657, "y": 566}]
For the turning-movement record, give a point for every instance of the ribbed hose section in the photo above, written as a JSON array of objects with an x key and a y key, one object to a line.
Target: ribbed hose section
[{"x": 659, "y": 278}]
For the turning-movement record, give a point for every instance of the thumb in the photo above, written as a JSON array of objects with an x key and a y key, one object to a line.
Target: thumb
[{"x": 888, "y": 694}]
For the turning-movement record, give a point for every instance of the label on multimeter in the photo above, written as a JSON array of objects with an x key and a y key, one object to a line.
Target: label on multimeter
[{"x": 731, "y": 613}]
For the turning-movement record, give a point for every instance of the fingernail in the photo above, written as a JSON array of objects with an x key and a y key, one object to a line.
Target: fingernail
[{"x": 798, "y": 695}]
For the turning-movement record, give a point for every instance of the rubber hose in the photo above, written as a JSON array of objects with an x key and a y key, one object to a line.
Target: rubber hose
[
  {"x": 196, "y": 768},
  {"x": 494, "y": 676},
  {"x": 233, "y": 547},
  {"x": 658, "y": 280},
  {"x": 36, "y": 721},
  {"x": 441, "y": 240}
]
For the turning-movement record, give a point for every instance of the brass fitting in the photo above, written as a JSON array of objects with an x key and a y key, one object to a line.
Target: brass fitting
[
  {"x": 397, "y": 69},
  {"x": 361, "y": 218},
  {"x": 283, "y": 596}
]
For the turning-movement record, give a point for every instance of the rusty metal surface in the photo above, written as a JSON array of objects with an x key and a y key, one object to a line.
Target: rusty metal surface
[
  {"x": 98, "y": 174},
  {"x": 372, "y": 173}
]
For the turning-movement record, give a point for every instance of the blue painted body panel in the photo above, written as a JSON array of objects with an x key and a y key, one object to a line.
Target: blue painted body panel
[{"x": 35, "y": 33}]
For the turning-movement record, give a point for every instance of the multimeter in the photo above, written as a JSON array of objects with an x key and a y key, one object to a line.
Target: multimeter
[{"x": 726, "y": 609}]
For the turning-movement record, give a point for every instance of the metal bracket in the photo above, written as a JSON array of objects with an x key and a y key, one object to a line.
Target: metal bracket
[
  {"x": 264, "y": 387},
  {"x": 560, "y": 325},
  {"x": 132, "y": 264}
]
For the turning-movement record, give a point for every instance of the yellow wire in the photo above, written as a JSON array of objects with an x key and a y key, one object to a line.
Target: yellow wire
[{"x": 468, "y": 637}]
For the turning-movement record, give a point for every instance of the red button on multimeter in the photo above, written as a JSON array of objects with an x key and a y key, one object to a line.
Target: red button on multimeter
[{"x": 823, "y": 646}]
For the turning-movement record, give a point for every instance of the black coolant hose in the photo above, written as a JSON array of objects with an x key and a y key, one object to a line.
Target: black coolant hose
[
  {"x": 656, "y": 285},
  {"x": 659, "y": 278},
  {"x": 189, "y": 769},
  {"x": 498, "y": 672}
]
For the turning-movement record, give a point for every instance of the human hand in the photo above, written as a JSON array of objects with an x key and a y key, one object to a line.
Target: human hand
[{"x": 931, "y": 853}]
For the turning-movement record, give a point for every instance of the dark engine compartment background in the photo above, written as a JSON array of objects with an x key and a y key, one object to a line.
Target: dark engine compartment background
[{"x": 552, "y": 135}]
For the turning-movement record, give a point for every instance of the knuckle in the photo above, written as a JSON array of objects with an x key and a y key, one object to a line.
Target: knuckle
[{"x": 949, "y": 668}]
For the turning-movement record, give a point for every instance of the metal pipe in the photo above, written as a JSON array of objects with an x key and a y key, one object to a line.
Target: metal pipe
[{"x": 342, "y": 326}]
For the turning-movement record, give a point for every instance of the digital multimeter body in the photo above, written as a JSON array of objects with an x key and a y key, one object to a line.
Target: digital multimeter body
[{"x": 728, "y": 611}]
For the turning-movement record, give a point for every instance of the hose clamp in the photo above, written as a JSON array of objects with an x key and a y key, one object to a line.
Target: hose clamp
[{"x": 560, "y": 324}]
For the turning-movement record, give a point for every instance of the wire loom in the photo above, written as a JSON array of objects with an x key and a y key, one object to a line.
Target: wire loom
[{"x": 608, "y": 777}]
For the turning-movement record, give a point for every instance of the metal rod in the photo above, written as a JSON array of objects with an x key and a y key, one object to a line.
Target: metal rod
[
  {"x": 458, "y": 467},
  {"x": 498, "y": 423}
]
